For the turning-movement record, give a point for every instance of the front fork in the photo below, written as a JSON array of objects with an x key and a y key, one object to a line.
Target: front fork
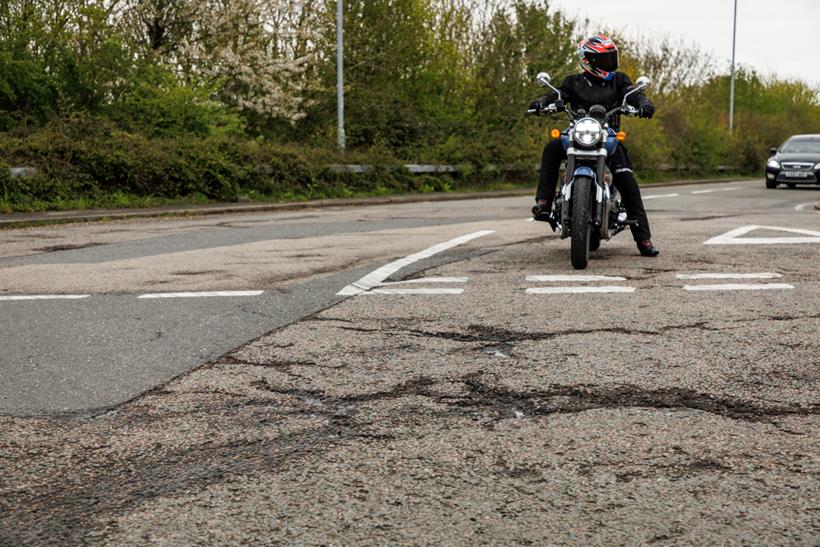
[{"x": 601, "y": 197}]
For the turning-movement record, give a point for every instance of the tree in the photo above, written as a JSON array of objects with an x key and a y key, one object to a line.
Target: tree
[{"x": 255, "y": 52}]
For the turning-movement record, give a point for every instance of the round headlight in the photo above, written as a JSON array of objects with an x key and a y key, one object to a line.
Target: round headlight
[
  {"x": 588, "y": 132},
  {"x": 773, "y": 164}
]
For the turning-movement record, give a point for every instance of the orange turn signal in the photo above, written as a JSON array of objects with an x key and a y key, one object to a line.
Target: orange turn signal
[
  {"x": 621, "y": 136},
  {"x": 555, "y": 133}
]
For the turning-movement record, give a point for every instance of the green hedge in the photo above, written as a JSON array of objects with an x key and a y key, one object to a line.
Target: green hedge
[{"x": 90, "y": 162}]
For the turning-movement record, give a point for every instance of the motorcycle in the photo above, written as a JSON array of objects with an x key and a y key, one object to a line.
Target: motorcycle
[{"x": 587, "y": 207}]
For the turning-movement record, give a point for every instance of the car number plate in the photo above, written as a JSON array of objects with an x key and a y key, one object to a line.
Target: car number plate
[{"x": 797, "y": 174}]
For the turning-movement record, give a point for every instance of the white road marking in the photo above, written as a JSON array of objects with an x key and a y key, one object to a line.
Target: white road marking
[
  {"x": 414, "y": 291},
  {"x": 802, "y": 206},
  {"x": 428, "y": 280},
  {"x": 763, "y": 275},
  {"x": 209, "y": 294},
  {"x": 580, "y": 290},
  {"x": 44, "y": 297},
  {"x": 377, "y": 277},
  {"x": 661, "y": 196},
  {"x": 739, "y": 287},
  {"x": 733, "y": 237},
  {"x": 714, "y": 190},
  {"x": 571, "y": 278}
]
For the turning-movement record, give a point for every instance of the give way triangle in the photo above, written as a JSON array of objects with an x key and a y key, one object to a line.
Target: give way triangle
[{"x": 734, "y": 237}]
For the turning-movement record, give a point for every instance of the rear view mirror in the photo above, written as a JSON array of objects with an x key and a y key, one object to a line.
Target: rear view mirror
[
  {"x": 772, "y": 151},
  {"x": 643, "y": 82},
  {"x": 543, "y": 79}
]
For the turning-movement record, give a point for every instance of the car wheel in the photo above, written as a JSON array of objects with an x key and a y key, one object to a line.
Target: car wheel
[{"x": 771, "y": 184}]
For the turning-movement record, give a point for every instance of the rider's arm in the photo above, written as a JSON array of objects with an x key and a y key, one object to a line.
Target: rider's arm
[
  {"x": 549, "y": 98},
  {"x": 638, "y": 99}
]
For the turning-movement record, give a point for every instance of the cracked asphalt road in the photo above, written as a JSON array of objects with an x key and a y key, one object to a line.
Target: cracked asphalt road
[{"x": 490, "y": 417}]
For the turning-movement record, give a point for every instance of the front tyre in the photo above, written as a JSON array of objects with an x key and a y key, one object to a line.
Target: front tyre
[
  {"x": 581, "y": 223},
  {"x": 595, "y": 241},
  {"x": 771, "y": 184}
]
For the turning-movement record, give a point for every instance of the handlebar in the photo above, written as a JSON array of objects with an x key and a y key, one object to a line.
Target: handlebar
[
  {"x": 626, "y": 110},
  {"x": 552, "y": 108}
]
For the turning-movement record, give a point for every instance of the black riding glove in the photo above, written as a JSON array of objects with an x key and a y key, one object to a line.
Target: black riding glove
[
  {"x": 646, "y": 110},
  {"x": 538, "y": 105}
]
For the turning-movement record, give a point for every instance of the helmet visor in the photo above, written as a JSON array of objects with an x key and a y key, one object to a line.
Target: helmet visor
[{"x": 608, "y": 62}]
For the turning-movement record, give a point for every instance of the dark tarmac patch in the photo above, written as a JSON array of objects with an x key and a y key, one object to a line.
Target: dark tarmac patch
[
  {"x": 712, "y": 217},
  {"x": 204, "y": 272},
  {"x": 493, "y": 335},
  {"x": 573, "y": 399},
  {"x": 67, "y": 247}
]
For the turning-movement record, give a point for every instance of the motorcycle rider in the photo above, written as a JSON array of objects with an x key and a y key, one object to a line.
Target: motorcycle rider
[{"x": 599, "y": 83}]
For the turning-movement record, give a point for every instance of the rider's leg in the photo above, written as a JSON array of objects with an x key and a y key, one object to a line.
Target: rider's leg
[
  {"x": 551, "y": 159},
  {"x": 624, "y": 180}
]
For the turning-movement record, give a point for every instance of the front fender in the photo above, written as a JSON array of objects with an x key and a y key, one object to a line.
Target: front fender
[{"x": 582, "y": 171}]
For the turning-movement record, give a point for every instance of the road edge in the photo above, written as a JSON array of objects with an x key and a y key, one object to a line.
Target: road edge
[{"x": 25, "y": 220}]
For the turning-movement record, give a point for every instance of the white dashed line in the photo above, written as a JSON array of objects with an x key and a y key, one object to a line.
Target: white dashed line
[
  {"x": 802, "y": 206},
  {"x": 661, "y": 196},
  {"x": 414, "y": 291},
  {"x": 763, "y": 275},
  {"x": 714, "y": 190},
  {"x": 739, "y": 287},
  {"x": 579, "y": 290},
  {"x": 428, "y": 280},
  {"x": 44, "y": 297},
  {"x": 377, "y": 277},
  {"x": 210, "y": 294},
  {"x": 571, "y": 278}
]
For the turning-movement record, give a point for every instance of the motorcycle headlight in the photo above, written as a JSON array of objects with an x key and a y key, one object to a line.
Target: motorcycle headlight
[
  {"x": 773, "y": 164},
  {"x": 588, "y": 132}
]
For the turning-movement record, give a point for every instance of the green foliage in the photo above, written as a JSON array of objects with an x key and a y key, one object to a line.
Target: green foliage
[
  {"x": 88, "y": 156},
  {"x": 26, "y": 92},
  {"x": 115, "y": 104},
  {"x": 158, "y": 106}
]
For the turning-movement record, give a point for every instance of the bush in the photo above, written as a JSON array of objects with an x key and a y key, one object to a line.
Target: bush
[
  {"x": 158, "y": 106},
  {"x": 85, "y": 160},
  {"x": 90, "y": 157}
]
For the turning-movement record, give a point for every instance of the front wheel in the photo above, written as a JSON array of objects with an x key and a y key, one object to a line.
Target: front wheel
[
  {"x": 581, "y": 223},
  {"x": 771, "y": 184},
  {"x": 595, "y": 241}
]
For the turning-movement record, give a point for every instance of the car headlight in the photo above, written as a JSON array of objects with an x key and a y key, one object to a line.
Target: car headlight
[
  {"x": 817, "y": 166},
  {"x": 774, "y": 164},
  {"x": 588, "y": 132}
]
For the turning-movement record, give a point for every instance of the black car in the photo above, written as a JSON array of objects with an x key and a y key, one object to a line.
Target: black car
[{"x": 797, "y": 161}]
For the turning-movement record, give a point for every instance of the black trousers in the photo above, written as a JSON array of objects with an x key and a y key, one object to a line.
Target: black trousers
[{"x": 622, "y": 177}]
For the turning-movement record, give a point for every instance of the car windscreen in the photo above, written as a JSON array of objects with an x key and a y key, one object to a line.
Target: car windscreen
[{"x": 801, "y": 147}]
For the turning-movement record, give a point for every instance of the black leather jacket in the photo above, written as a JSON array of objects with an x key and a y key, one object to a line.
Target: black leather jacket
[{"x": 583, "y": 91}]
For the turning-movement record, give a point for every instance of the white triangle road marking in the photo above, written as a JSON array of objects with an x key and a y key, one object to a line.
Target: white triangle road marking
[{"x": 733, "y": 237}]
